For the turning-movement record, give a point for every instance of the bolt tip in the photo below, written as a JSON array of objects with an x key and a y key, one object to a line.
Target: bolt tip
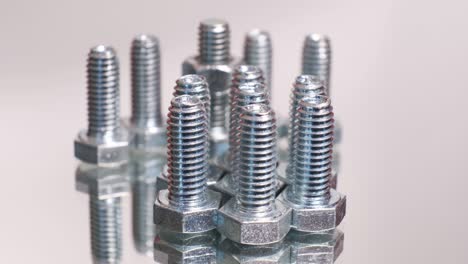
[
  {"x": 247, "y": 72},
  {"x": 185, "y": 101},
  {"x": 191, "y": 80},
  {"x": 309, "y": 80},
  {"x": 258, "y": 110},
  {"x": 258, "y": 35},
  {"x": 315, "y": 37},
  {"x": 316, "y": 102},
  {"x": 214, "y": 23},
  {"x": 102, "y": 52},
  {"x": 146, "y": 40}
]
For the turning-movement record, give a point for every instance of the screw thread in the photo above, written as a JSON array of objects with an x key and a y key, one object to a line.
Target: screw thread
[
  {"x": 103, "y": 92},
  {"x": 314, "y": 149},
  {"x": 146, "y": 82},
  {"x": 316, "y": 57},
  {"x": 258, "y": 52},
  {"x": 187, "y": 151},
  {"x": 106, "y": 229},
  {"x": 304, "y": 86},
  {"x": 214, "y": 42},
  {"x": 257, "y": 159},
  {"x": 144, "y": 230}
]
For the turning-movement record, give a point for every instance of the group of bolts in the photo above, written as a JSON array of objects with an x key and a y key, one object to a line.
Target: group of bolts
[{"x": 223, "y": 167}]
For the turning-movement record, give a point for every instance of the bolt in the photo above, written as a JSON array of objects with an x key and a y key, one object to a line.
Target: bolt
[
  {"x": 216, "y": 64},
  {"x": 316, "y": 58},
  {"x": 187, "y": 206},
  {"x": 254, "y": 217},
  {"x": 258, "y": 52},
  {"x": 304, "y": 85},
  {"x": 104, "y": 142},
  {"x": 146, "y": 123},
  {"x": 105, "y": 187},
  {"x": 244, "y": 78},
  {"x": 316, "y": 207}
]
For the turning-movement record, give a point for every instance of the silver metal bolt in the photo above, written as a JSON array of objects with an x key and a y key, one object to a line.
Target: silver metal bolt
[
  {"x": 244, "y": 78},
  {"x": 187, "y": 206},
  {"x": 258, "y": 51},
  {"x": 254, "y": 217},
  {"x": 216, "y": 64},
  {"x": 146, "y": 124},
  {"x": 304, "y": 86},
  {"x": 316, "y": 207},
  {"x": 104, "y": 142},
  {"x": 316, "y": 58}
]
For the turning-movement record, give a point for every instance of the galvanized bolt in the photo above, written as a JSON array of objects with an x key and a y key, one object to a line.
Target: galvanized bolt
[
  {"x": 187, "y": 206},
  {"x": 146, "y": 124},
  {"x": 258, "y": 52},
  {"x": 243, "y": 76},
  {"x": 316, "y": 58},
  {"x": 104, "y": 142},
  {"x": 253, "y": 216},
  {"x": 304, "y": 86},
  {"x": 315, "y": 206},
  {"x": 148, "y": 137},
  {"x": 216, "y": 64}
]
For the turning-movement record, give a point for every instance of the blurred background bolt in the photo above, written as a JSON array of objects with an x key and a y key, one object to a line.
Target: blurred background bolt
[
  {"x": 253, "y": 216},
  {"x": 315, "y": 206},
  {"x": 146, "y": 123},
  {"x": 215, "y": 62},
  {"x": 104, "y": 142},
  {"x": 187, "y": 206},
  {"x": 258, "y": 52},
  {"x": 105, "y": 187}
]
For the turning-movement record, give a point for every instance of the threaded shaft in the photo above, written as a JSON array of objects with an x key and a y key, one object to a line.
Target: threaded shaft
[
  {"x": 103, "y": 92},
  {"x": 187, "y": 149},
  {"x": 316, "y": 57},
  {"x": 304, "y": 86},
  {"x": 313, "y": 148},
  {"x": 258, "y": 52},
  {"x": 146, "y": 82},
  {"x": 144, "y": 195},
  {"x": 243, "y": 95},
  {"x": 214, "y": 41},
  {"x": 106, "y": 229},
  {"x": 257, "y": 159}
]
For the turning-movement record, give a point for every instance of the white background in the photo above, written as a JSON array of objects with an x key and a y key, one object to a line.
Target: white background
[{"x": 399, "y": 89}]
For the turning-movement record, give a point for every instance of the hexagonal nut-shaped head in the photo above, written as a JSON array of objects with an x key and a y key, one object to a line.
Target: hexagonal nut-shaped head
[
  {"x": 234, "y": 253},
  {"x": 319, "y": 248},
  {"x": 109, "y": 153},
  {"x": 316, "y": 218},
  {"x": 218, "y": 75},
  {"x": 103, "y": 182},
  {"x": 246, "y": 228},
  {"x": 187, "y": 220},
  {"x": 186, "y": 248}
]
